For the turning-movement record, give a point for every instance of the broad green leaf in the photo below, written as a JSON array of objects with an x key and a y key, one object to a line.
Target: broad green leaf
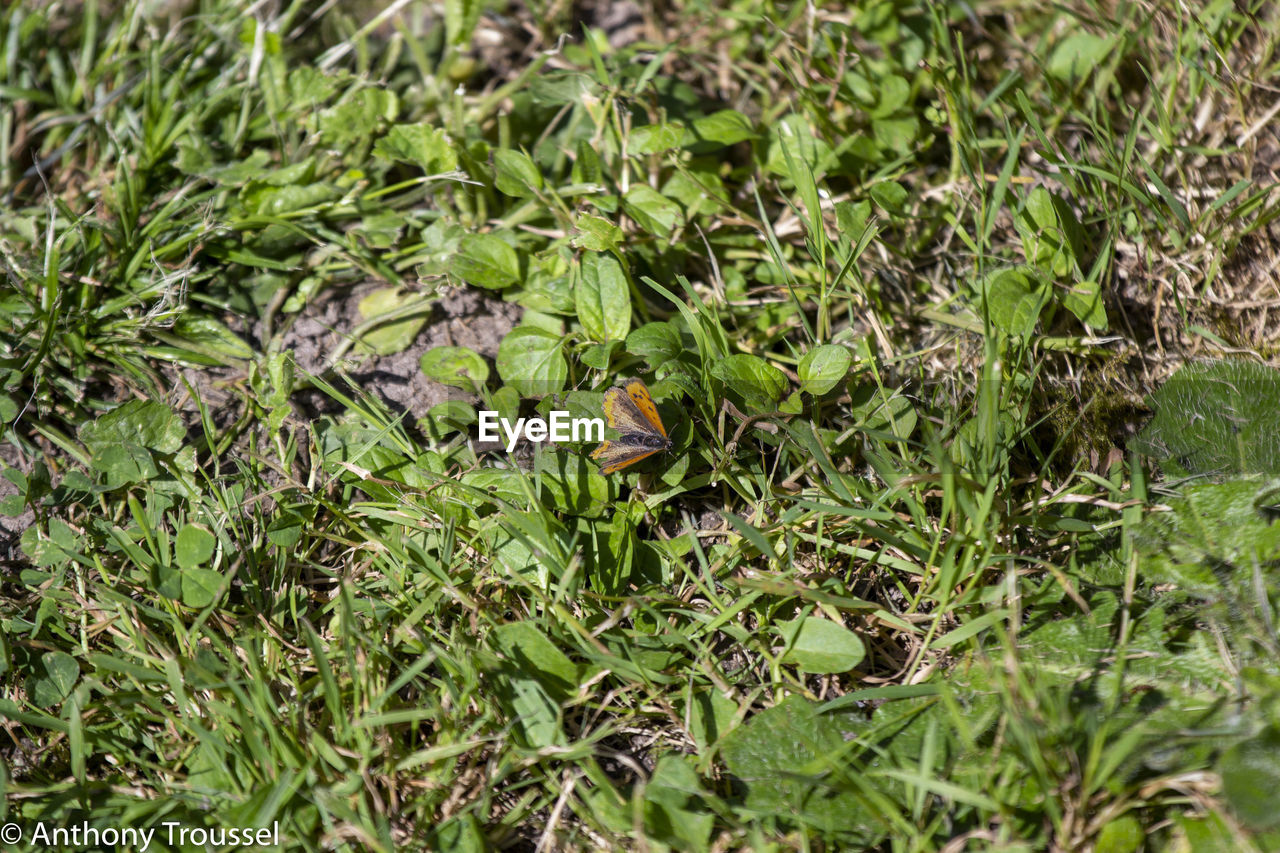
[
  {"x": 1052, "y": 238},
  {"x": 458, "y": 367},
  {"x": 285, "y": 530},
  {"x": 883, "y": 410},
  {"x": 754, "y": 378},
  {"x": 487, "y": 261},
  {"x": 516, "y": 174},
  {"x": 571, "y": 484},
  {"x": 531, "y": 361},
  {"x": 651, "y": 210},
  {"x": 674, "y": 811},
  {"x": 891, "y": 196},
  {"x": 791, "y": 761},
  {"x": 596, "y": 234},
  {"x": 200, "y": 587},
  {"x": 1084, "y": 299},
  {"x": 350, "y": 124},
  {"x": 793, "y": 146},
  {"x": 655, "y": 138},
  {"x": 14, "y": 504},
  {"x": 56, "y": 674},
  {"x": 823, "y": 368},
  {"x": 1121, "y": 835},
  {"x": 428, "y": 148},
  {"x": 529, "y": 651},
  {"x": 381, "y": 230},
  {"x": 536, "y": 716},
  {"x": 851, "y": 218},
  {"x": 392, "y": 336},
  {"x": 262, "y": 199},
  {"x": 1014, "y": 299},
  {"x": 451, "y": 416},
  {"x": 821, "y": 646},
  {"x": 600, "y": 356},
  {"x": 1077, "y": 56},
  {"x": 892, "y": 92},
  {"x": 565, "y": 87},
  {"x": 194, "y": 546},
  {"x": 1220, "y": 419},
  {"x": 656, "y": 343},
  {"x": 1250, "y": 773},
  {"x": 461, "y": 834},
  {"x": 148, "y": 423},
  {"x": 726, "y": 127},
  {"x": 602, "y": 298},
  {"x": 896, "y": 132}
]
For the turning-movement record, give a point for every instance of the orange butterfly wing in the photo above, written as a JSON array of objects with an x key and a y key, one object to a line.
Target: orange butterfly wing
[
  {"x": 614, "y": 456},
  {"x": 631, "y": 411},
  {"x": 639, "y": 395}
]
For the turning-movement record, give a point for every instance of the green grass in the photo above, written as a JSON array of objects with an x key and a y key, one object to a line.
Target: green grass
[{"x": 904, "y": 278}]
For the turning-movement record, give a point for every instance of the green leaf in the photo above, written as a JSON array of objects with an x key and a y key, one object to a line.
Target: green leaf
[
  {"x": 200, "y": 587},
  {"x": 1014, "y": 300},
  {"x": 791, "y": 761},
  {"x": 530, "y": 652},
  {"x": 1121, "y": 835},
  {"x": 655, "y": 138},
  {"x": 487, "y": 261},
  {"x": 8, "y": 408},
  {"x": 1077, "y": 56},
  {"x": 392, "y": 336},
  {"x": 897, "y": 132},
  {"x": 1084, "y": 299},
  {"x": 55, "y": 675},
  {"x": 536, "y": 716},
  {"x": 674, "y": 810},
  {"x": 516, "y": 174},
  {"x": 851, "y": 219},
  {"x": 209, "y": 334},
  {"x": 14, "y": 504},
  {"x": 148, "y": 423},
  {"x": 726, "y": 127},
  {"x": 460, "y": 19},
  {"x": 531, "y": 361},
  {"x": 1221, "y": 419},
  {"x": 1250, "y": 773},
  {"x": 823, "y": 368},
  {"x": 656, "y": 343},
  {"x": 603, "y": 299},
  {"x": 458, "y": 367},
  {"x": 1052, "y": 237},
  {"x": 566, "y": 87},
  {"x": 795, "y": 152},
  {"x": 194, "y": 546},
  {"x": 882, "y": 409},
  {"x": 573, "y": 485},
  {"x": 121, "y": 442},
  {"x": 429, "y": 148},
  {"x": 892, "y": 92},
  {"x": 821, "y": 646},
  {"x": 285, "y": 530},
  {"x": 891, "y": 196},
  {"x": 350, "y": 124},
  {"x": 596, "y": 234},
  {"x": 261, "y": 199},
  {"x": 651, "y": 210},
  {"x": 755, "y": 379},
  {"x": 449, "y": 417}
]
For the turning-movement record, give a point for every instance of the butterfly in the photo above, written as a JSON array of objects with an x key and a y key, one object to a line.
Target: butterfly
[{"x": 630, "y": 410}]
